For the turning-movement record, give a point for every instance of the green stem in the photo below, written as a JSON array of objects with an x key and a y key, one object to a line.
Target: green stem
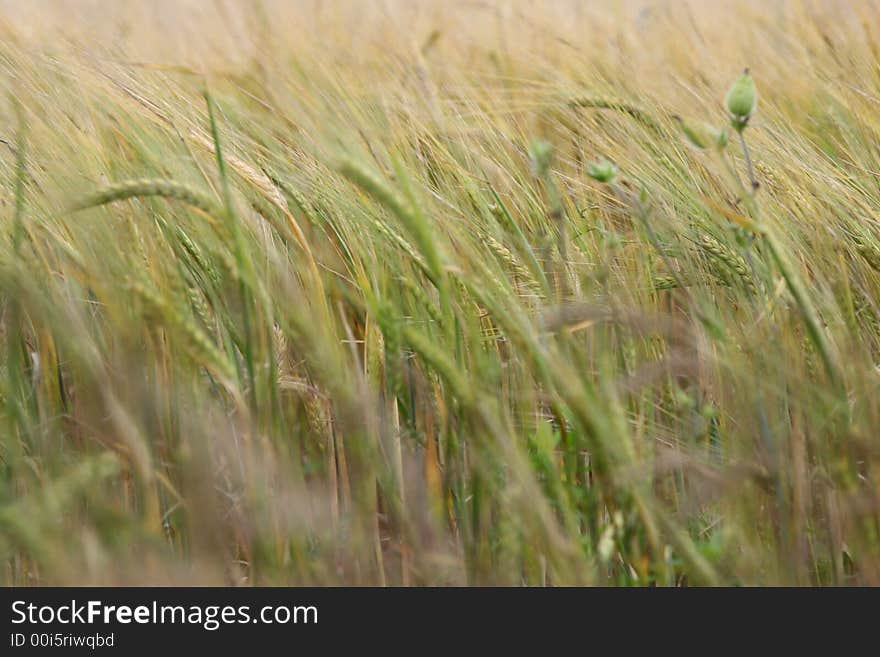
[
  {"x": 751, "y": 170},
  {"x": 244, "y": 263},
  {"x": 792, "y": 279},
  {"x": 811, "y": 318}
]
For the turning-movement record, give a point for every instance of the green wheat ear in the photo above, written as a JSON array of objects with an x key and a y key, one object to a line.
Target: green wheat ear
[
  {"x": 731, "y": 260},
  {"x": 638, "y": 114},
  {"x": 146, "y": 187},
  {"x": 200, "y": 344}
]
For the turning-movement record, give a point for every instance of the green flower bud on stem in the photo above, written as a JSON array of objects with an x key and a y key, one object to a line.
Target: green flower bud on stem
[
  {"x": 603, "y": 171},
  {"x": 742, "y": 100}
]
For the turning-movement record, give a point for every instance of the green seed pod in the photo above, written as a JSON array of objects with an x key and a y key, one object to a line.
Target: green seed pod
[
  {"x": 742, "y": 99},
  {"x": 701, "y": 135},
  {"x": 603, "y": 171},
  {"x": 541, "y": 154}
]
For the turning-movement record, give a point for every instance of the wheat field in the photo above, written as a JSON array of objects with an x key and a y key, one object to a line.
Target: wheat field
[{"x": 439, "y": 293}]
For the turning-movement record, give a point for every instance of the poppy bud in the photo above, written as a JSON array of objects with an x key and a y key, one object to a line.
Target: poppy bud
[
  {"x": 603, "y": 171},
  {"x": 742, "y": 99}
]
